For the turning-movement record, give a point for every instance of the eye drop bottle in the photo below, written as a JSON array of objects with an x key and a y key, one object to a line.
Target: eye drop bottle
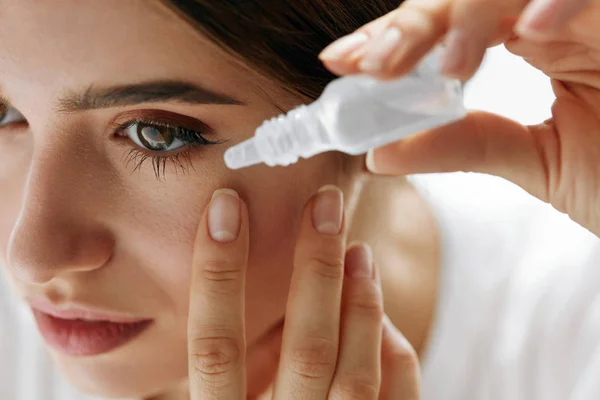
[{"x": 353, "y": 115}]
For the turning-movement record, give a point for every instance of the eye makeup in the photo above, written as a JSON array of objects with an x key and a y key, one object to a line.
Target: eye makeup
[{"x": 153, "y": 133}]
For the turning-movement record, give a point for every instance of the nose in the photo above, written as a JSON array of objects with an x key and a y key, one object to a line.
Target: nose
[{"x": 59, "y": 230}]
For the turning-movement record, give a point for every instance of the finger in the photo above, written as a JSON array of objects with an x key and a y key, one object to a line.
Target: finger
[
  {"x": 411, "y": 30},
  {"x": 504, "y": 32},
  {"x": 474, "y": 27},
  {"x": 391, "y": 46},
  {"x": 552, "y": 53},
  {"x": 342, "y": 56},
  {"x": 401, "y": 372},
  {"x": 216, "y": 337},
  {"x": 410, "y": 33},
  {"x": 311, "y": 330},
  {"x": 481, "y": 142},
  {"x": 358, "y": 373},
  {"x": 542, "y": 18}
]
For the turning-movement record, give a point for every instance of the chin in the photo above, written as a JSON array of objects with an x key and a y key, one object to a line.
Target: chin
[{"x": 140, "y": 370}]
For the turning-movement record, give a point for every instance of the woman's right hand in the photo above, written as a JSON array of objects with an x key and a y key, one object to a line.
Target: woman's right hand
[
  {"x": 556, "y": 161},
  {"x": 336, "y": 342}
]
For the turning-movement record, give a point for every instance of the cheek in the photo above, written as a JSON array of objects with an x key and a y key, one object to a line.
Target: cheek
[
  {"x": 156, "y": 239},
  {"x": 276, "y": 198},
  {"x": 164, "y": 231},
  {"x": 160, "y": 228},
  {"x": 157, "y": 246},
  {"x": 270, "y": 266},
  {"x": 15, "y": 156}
]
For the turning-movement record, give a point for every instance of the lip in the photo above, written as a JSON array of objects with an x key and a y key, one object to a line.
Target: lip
[
  {"x": 82, "y": 332},
  {"x": 81, "y": 312}
]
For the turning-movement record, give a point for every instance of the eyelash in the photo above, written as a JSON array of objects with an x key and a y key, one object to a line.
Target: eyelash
[{"x": 181, "y": 159}]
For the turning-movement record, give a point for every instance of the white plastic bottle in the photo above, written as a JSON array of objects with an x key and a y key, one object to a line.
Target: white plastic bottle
[{"x": 353, "y": 115}]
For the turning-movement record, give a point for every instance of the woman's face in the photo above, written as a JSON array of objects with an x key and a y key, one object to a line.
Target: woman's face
[{"x": 92, "y": 214}]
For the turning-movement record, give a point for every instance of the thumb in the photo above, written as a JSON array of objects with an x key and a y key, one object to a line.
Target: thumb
[
  {"x": 481, "y": 142},
  {"x": 543, "y": 18}
]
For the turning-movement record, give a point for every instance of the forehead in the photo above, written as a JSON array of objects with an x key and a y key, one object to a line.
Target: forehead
[{"x": 71, "y": 44}]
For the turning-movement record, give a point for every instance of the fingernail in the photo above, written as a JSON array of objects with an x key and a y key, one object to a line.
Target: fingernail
[
  {"x": 343, "y": 47},
  {"x": 537, "y": 18},
  {"x": 383, "y": 47},
  {"x": 371, "y": 162},
  {"x": 359, "y": 262},
  {"x": 455, "y": 56},
  {"x": 327, "y": 210},
  {"x": 224, "y": 217}
]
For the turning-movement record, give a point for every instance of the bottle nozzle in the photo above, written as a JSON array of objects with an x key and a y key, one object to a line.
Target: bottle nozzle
[{"x": 242, "y": 155}]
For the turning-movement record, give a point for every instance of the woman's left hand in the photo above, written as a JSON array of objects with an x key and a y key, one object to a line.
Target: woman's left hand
[
  {"x": 336, "y": 343},
  {"x": 556, "y": 161}
]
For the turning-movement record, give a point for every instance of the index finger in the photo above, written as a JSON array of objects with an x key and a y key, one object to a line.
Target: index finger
[
  {"x": 543, "y": 17},
  {"x": 216, "y": 334}
]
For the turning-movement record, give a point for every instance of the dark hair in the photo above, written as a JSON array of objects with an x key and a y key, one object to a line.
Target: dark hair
[{"x": 282, "y": 38}]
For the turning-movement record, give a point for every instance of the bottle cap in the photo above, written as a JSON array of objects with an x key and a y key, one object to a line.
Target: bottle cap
[{"x": 242, "y": 155}]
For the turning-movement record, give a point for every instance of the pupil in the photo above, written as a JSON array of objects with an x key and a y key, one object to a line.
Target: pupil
[{"x": 157, "y": 138}]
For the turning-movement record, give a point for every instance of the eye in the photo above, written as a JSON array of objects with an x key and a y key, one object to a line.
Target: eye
[
  {"x": 155, "y": 138},
  {"x": 9, "y": 115},
  {"x": 162, "y": 138}
]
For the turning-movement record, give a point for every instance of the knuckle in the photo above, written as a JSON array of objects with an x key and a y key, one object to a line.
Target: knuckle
[
  {"x": 327, "y": 264},
  {"x": 404, "y": 357},
  {"x": 464, "y": 11},
  {"x": 415, "y": 20},
  {"x": 469, "y": 5},
  {"x": 368, "y": 308},
  {"x": 314, "y": 359},
  {"x": 366, "y": 301},
  {"x": 355, "y": 387},
  {"x": 222, "y": 277},
  {"x": 213, "y": 358}
]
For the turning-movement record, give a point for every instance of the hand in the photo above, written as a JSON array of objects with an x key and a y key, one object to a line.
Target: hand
[
  {"x": 556, "y": 161},
  {"x": 335, "y": 344}
]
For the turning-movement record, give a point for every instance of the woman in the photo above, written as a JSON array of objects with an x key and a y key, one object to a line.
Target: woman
[{"x": 115, "y": 119}]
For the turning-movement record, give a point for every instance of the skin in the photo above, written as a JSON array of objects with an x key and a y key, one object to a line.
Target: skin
[
  {"x": 542, "y": 157},
  {"x": 65, "y": 173},
  {"x": 335, "y": 343},
  {"x": 78, "y": 226},
  {"x": 556, "y": 160}
]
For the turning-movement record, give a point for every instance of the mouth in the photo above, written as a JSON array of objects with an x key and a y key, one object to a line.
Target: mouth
[{"x": 83, "y": 333}]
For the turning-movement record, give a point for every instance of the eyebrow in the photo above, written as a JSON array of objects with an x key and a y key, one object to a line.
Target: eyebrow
[{"x": 149, "y": 92}]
